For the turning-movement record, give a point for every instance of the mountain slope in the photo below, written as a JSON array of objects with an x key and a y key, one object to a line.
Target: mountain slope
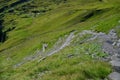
[{"x": 28, "y": 24}]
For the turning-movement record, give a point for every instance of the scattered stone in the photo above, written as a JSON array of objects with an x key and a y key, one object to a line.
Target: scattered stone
[
  {"x": 114, "y": 76},
  {"x": 114, "y": 43},
  {"x": 103, "y": 37},
  {"x": 70, "y": 55},
  {"x": 115, "y": 57},
  {"x": 116, "y": 65},
  {"x": 106, "y": 59},
  {"x": 118, "y": 43},
  {"x": 109, "y": 42},
  {"x": 112, "y": 34},
  {"x": 108, "y": 48},
  {"x": 118, "y": 56}
]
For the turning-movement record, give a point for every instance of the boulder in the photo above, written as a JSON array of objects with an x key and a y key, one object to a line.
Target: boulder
[
  {"x": 116, "y": 65},
  {"x": 114, "y": 76}
]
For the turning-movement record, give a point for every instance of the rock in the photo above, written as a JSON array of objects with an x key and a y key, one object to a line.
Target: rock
[
  {"x": 119, "y": 40},
  {"x": 118, "y": 43},
  {"x": 70, "y": 55},
  {"x": 115, "y": 57},
  {"x": 103, "y": 37},
  {"x": 106, "y": 59},
  {"x": 118, "y": 56},
  {"x": 114, "y": 76},
  {"x": 114, "y": 43},
  {"x": 112, "y": 32},
  {"x": 116, "y": 65},
  {"x": 109, "y": 42},
  {"x": 108, "y": 48}
]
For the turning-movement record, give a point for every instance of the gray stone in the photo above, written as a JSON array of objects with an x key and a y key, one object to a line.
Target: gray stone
[
  {"x": 109, "y": 42},
  {"x": 108, "y": 48},
  {"x": 112, "y": 34},
  {"x": 116, "y": 65},
  {"x": 70, "y": 55},
  {"x": 114, "y": 43},
  {"x": 118, "y": 44},
  {"x": 115, "y": 57},
  {"x": 114, "y": 76}
]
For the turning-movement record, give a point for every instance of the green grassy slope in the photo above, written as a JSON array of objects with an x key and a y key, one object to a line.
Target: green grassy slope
[{"x": 30, "y": 24}]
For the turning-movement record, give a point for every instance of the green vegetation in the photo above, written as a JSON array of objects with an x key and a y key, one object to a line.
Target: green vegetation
[{"x": 30, "y": 24}]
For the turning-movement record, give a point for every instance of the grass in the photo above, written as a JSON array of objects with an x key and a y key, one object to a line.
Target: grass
[
  {"x": 56, "y": 20},
  {"x": 61, "y": 67}
]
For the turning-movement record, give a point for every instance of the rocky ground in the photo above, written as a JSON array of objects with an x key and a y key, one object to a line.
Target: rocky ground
[{"x": 110, "y": 45}]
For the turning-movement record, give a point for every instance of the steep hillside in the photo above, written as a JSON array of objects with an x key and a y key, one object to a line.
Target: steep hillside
[{"x": 39, "y": 39}]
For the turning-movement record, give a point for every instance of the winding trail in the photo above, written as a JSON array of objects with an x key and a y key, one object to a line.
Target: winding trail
[
  {"x": 66, "y": 43},
  {"x": 59, "y": 45}
]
